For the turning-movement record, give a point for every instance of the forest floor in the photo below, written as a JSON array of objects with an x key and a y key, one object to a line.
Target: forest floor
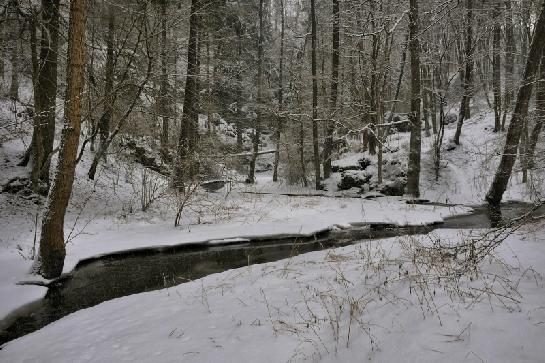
[{"x": 371, "y": 300}]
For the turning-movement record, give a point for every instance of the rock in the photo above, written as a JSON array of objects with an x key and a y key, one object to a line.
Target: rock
[
  {"x": 353, "y": 179},
  {"x": 394, "y": 188},
  {"x": 450, "y": 118},
  {"x": 450, "y": 146},
  {"x": 362, "y": 164}
]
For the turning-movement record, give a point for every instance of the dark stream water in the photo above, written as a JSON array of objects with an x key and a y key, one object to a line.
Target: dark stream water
[{"x": 97, "y": 280}]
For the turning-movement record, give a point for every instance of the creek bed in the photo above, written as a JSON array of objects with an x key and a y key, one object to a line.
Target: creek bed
[{"x": 96, "y": 280}]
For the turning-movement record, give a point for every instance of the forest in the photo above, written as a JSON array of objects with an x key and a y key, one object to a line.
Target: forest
[{"x": 275, "y": 180}]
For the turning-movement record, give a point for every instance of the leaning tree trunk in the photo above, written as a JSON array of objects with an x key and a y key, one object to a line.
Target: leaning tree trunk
[
  {"x": 315, "y": 148},
  {"x": 46, "y": 94},
  {"x": 328, "y": 146},
  {"x": 259, "y": 100},
  {"x": 190, "y": 108},
  {"x": 468, "y": 73},
  {"x": 501, "y": 178},
  {"x": 50, "y": 260},
  {"x": 415, "y": 144},
  {"x": 496, "y": 64}
]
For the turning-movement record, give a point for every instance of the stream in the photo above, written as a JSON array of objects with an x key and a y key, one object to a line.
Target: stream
[{"x": 96, "y": 280}]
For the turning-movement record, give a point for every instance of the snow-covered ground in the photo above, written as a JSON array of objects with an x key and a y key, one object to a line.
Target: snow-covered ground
[
  {"x": 352, "y": 304},
  {"x": 336, "y": 305}
]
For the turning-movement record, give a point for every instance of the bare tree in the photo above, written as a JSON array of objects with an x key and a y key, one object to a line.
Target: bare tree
[
  {"x": 280, "y": 92},
  {"x": 257, "y": 121},
  {"x": 328, "y": 145},
  {"x": 468, "y": 73},
  {"x": 45, "y": 95},
  {"x": 413, "y": 174},
  {"x": 496, "y": 64},
  {"x": 315, "y": 147},
  {"x": 50, "y": 260},
  {"x": 190, "y": 111},
  {"x": 503, "y": 173}
]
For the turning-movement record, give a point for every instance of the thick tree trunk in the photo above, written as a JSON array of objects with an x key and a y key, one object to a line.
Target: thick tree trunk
[
  {"x": 501, "y": 178},
  {"x": 50, "y": 260},
  {"x": 315, "y": 148},
  {"x": 46, "y": 94},
  {"x": 257, "y": 123},
  {"x": 280, "y": 121},
  {"x": 328, "y": 146},
  {"x": 190, "y": 110},
  {"x": 468, "y": 73},
  {"x": 496, "y": 64},
  {"x": 415, "y": 144}
]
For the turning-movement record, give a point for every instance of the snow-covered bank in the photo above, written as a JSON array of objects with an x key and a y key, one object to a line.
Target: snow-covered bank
[
  {"x": 361, "y": 302},
  {"x": 263, "y": 216}
]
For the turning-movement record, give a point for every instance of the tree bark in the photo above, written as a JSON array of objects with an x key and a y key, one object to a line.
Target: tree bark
[
  {"x": 50, "y": 260},
  {"x": 259, "y": 100},
  {"x": 15, "y": 55},
  {"x": 415, "y": 143},
  {"x": 468, "y": 73},
  {"x": 105, "y": 120},
  {"x": 496, "y": 64},
  {"x": 328, "y": 146},
  {"x": 315, "y": 148},
  {"x": 503, "y": 173},
  {"x": 540, "y": 114},
  {"x": 164, "y": 84},
  {"x": 190, "y": 108},
  {"x": 510, "y": 51},
  {"x": 280, "y": 94},
  {"x": 45, "y": 95}
]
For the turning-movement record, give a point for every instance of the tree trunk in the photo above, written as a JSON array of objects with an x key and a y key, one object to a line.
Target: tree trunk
[
  {"x": 164, "y": 106},
  {"x": 35, "y": 69},
  {"x": 315, "y": 148},
  {"x": 540, "y": 114},
  {"x": 496, "y": 64},
  {"x": 328, "y": 146},
  {"x": 257, "y": 124},
  {"x": 190, "y": 109},
  {"x": 501, "y": 178},
  {"x": 50, "y": 260},
  {"x": 14, "y": 57},
  {"x": 510, "y": 51},
  {"x": 46, "y": 94},
  {"x": 413, "y": 174},
  {"x": 105, "y": 120},
  {"x": 425, "y": 99},
  {"x": 468, "y": 73},
  {"x": 280, "y": 94}
]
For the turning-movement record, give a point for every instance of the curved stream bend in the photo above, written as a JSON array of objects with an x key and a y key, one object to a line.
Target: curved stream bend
[{"x": 108, "y": 277}]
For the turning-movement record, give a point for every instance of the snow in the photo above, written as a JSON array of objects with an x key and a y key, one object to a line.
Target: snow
[
  {"x": 300, "y": 309},
  {"x": 294, "y": 309}
]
